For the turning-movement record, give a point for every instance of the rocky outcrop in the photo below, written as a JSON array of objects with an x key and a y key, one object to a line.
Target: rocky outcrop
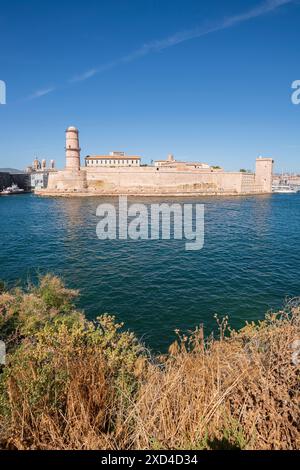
[{"x": 20, "y": 179}]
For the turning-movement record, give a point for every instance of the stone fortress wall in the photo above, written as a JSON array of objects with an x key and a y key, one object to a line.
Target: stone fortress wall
[{"x": 153, "y": 180}]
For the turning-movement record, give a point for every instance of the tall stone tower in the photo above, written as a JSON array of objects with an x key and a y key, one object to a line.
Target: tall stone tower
[
  {"x": 264, "y": 173},
  {"x": 72, "y": 149}
]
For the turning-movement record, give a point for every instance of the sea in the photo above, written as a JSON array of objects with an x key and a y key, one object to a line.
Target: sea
[{"x": 249, "y": 264}]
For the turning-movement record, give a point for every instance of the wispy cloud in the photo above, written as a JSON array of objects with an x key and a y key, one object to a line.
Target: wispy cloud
[
  {"x": 40, "y": 93},
  {"x": 84, "y": 76},
  {"x": 182, "y": 36}
]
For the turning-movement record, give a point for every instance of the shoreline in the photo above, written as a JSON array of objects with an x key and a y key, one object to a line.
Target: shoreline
[{"x": 45, "y": 193}]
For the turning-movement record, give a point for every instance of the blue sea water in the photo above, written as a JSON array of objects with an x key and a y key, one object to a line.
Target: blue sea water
[{"x": 249, "y": 264}]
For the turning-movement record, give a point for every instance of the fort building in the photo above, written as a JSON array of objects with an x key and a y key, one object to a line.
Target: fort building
[
  {"x": 170, "y": 162},
  {"x": 121, "y": 174},
  {"x": 114, "y": 159}
]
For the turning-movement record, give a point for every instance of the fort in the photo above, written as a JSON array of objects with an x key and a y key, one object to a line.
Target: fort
[{"x": 119, "y": 174}]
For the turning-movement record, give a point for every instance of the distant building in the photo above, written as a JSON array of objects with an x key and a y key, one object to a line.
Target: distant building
[
  {"x": 170, "y": 162},
  {"x": 287, "y": 179},
  {"x": 38, "y": 173},
  {"x": 114, "y": 159},
  {"x": 39, "y": 180}
]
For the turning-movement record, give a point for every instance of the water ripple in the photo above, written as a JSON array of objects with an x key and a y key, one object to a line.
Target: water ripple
[{"x": 249, "y": 264}]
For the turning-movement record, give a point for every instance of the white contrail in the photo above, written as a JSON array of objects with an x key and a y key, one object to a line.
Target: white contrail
[
  {"x": 155, "y": 46},
  {"x": 40, "y": 93},
  {"x": 88, "y": 74},
  {"x": 183, "y": 36}
]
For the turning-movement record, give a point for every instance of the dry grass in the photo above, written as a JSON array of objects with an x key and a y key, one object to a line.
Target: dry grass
[
  {"x": 240, "y": 392},
  {"x": 73, "y": 384}
]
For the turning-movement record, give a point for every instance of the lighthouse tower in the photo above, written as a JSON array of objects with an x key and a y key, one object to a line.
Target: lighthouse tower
[{"x": 72, "y": 149}]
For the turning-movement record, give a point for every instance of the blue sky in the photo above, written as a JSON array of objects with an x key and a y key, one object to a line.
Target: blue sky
[{"x": 205, "y": 80}]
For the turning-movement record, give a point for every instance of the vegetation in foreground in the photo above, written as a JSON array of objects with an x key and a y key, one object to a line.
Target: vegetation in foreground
[{"x": 70, "y": 383}]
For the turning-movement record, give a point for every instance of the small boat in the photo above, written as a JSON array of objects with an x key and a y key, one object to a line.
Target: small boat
[
  {"x": 13, "y": 189},
  {"x": 284, "y": 189}
]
